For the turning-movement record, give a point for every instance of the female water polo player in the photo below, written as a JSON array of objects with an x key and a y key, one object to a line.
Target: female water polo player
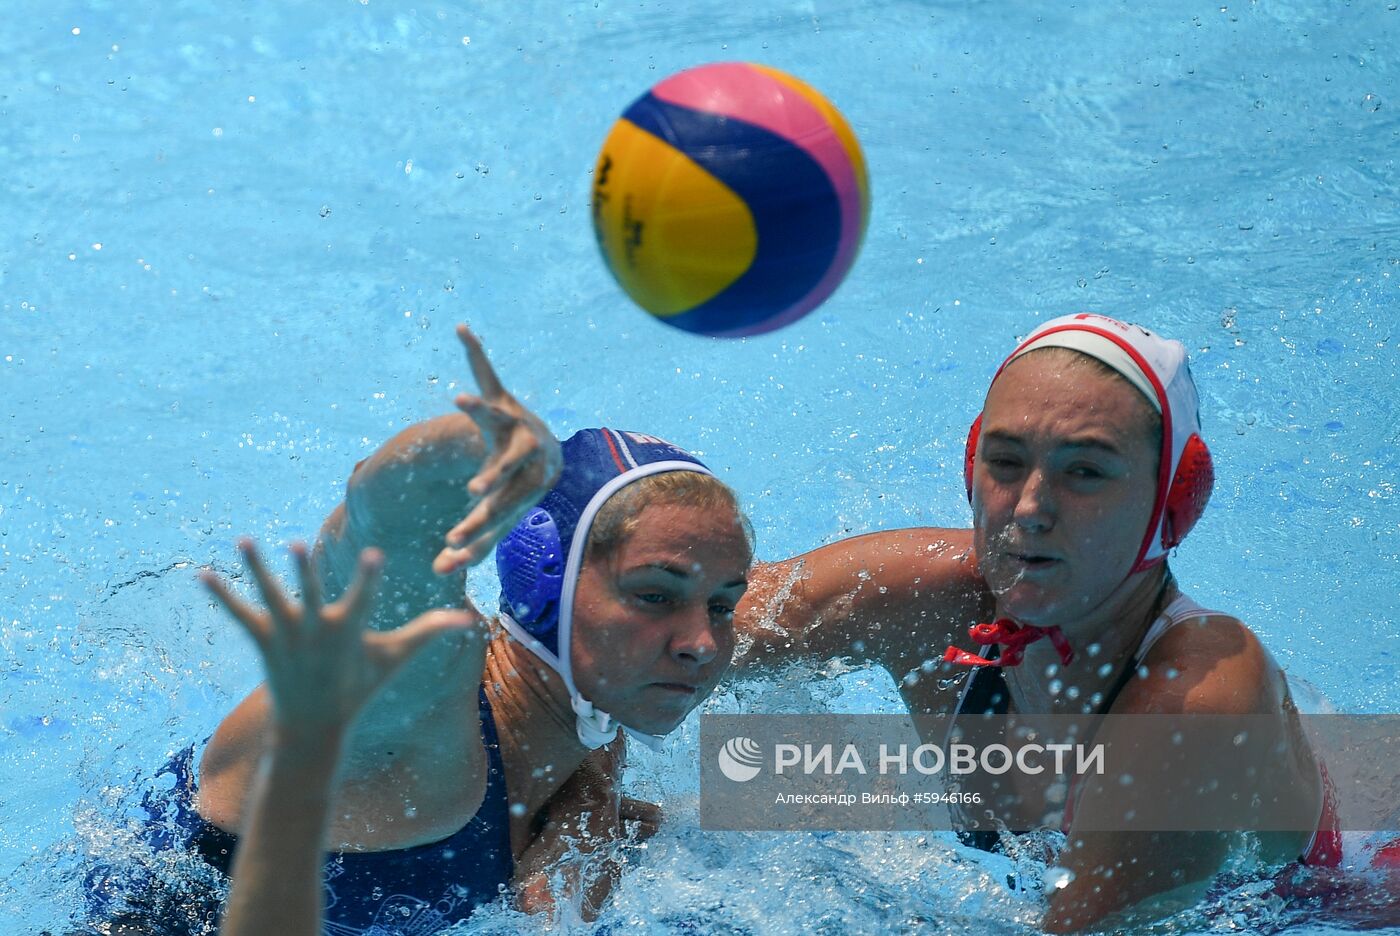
[
  {"x": 1084, "y": 469},
  {"x": 480, "y": 764}
]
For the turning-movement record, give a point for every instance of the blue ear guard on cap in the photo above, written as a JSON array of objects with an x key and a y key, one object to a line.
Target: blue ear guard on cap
[
  {"x": 540, "y": 559},
  {"x": 530, "y": 563}
]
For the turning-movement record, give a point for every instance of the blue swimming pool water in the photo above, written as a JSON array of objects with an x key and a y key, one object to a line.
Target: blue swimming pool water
[{"x": 234, "y": 244}]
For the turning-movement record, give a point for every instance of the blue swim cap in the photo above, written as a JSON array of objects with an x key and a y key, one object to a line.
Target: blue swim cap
[{"x": 539, "y": 560}]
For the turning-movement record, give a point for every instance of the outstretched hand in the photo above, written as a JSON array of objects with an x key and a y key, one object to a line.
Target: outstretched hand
[
  {"x": 522, "y": 462},
  {"x": 322, "y": 664}
]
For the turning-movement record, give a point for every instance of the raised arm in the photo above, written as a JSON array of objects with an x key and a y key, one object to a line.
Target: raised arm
[
  {"x": 895, "y": 598},
  {"x": 322, "y": 666},
  {"x": 432, "y": 499},
  {"x": 437, "y": 496}
]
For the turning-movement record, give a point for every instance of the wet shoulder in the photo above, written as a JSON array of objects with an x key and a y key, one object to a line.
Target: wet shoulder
[
  {"x": 230, "y": 761},
  {"x": 1206, "y": 665}
]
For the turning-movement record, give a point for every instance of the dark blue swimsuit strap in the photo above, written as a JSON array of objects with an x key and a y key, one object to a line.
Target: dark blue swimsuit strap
[
  {"x": 420, "y": 889},
  {"x": 495, "y": 805}
]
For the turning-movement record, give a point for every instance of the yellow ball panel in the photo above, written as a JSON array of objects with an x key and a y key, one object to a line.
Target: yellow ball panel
[{"x": 672, "y": 234}]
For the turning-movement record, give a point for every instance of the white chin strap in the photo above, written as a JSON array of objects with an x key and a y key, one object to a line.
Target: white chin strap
[{"x": 594, "y": 728}]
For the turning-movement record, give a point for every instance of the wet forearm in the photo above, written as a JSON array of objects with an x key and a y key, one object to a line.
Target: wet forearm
[
  {"x": 894, "y": 598},
  {"x": 402, "y": 500},
  {"x": 442, "y": 448},
  {"x": 277, "y": 872},
  {"x": 404, "y": 483},
  {"x": 1131, "y": 877}
]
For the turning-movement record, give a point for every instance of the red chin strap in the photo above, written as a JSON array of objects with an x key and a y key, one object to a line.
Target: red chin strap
[{"x": 1014, "y": 637}]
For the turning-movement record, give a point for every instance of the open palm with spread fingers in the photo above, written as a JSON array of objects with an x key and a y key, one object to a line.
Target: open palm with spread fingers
[
  {"x": 522, "y": 461},
  {"x": 322, "y": 663}
]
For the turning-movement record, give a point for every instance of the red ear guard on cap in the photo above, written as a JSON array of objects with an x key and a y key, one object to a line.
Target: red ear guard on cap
[
  {"x": 970, "y": 455},
  {"x": 1190, "y": 490},
  {"x": 1186, "y": 497}
]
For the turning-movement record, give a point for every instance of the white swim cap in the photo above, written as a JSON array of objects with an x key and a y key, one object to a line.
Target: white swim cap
[{"x": 1158, "y": 368}]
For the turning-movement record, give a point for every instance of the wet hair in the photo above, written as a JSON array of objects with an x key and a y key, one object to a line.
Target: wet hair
[
  {"x": 618, "y": 518},
  {"x": 1069, "y": 359}
]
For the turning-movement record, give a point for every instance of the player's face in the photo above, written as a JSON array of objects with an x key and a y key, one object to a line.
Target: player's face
[
  {"x": 654, "y": 619},
  {"x": 1063, "y": 487}
]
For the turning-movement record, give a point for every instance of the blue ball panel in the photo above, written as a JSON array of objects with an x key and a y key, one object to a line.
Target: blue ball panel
[{"x": 794, "y": 206}]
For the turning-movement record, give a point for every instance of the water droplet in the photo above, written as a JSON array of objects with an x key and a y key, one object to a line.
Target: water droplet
[
  {"x": 517, "y": 809},
  {"x": 325, "y": 211},
  {"x": 1104, "y": 670},
  {"x": 76, "y": 30}
]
